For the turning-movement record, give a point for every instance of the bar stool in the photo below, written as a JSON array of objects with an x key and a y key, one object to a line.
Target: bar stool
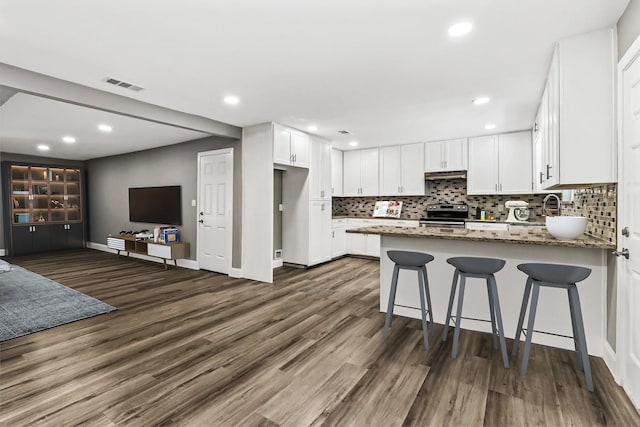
[
  {"x": 480, "y": 268},
  {"x": 555, "y": 276},
  {"x": 416, "y": 261}
]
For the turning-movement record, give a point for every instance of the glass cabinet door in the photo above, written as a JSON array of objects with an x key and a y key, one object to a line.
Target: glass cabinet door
[{"x": 72, "y": 192}]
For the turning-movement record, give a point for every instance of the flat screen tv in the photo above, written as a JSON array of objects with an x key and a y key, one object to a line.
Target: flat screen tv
[{"x": 156, "y": 205}]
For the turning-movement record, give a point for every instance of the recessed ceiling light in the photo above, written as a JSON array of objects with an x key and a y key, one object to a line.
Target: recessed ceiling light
[
  {"x": 43, "y": 147},
  {"x": 312, "y": 128},
  {"x": 68, "y": 139},
  {"x": 489, "y": 126},
  {"x": 460, "y": 29},
  {"x": 105, "y": 128},
  {"x": 231, "y": 100},
  {"x": 481, "y": 100},
  {"x": 353, "y": 143}
]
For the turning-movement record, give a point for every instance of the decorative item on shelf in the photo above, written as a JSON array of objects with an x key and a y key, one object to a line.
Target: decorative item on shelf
[
  {"x": 56, "y": 204},
  {"x": 41, "y": 219},
  {"x": 170, "y": 235},
  {"x": 16, "y": 203},
  {"x": 387, "y": 209}
]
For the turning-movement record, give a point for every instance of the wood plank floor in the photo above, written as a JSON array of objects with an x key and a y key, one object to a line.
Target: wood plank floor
[{"x": 197, "y": 348}]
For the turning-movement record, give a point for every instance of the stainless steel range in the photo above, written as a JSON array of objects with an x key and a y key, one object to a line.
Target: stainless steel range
[{"x": 445, "y": 215}]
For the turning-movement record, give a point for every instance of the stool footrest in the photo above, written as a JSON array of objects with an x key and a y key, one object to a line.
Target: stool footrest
[
  {"x": 469, "y": 318},
  {"x": 525, "y": 331},
  {"x": 407, "y": 306}
]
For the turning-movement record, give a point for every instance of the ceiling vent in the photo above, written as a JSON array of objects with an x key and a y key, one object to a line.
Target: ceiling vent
[
  {"x": 344, "y": 132},
  {"x": 123, "y": 84}
]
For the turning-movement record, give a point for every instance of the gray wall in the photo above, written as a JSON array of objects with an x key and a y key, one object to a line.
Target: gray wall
[
  {"x": 628, "y": 27},
  {"x": 109, "y": 179},
  {"x": 28, "y": 160}
]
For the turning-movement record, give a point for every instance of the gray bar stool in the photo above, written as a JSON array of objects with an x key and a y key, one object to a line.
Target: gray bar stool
[
  {"x": 480, "y": 268},
  {"x": 415, "y": 261},
  {"x": 555, "y": 276}
]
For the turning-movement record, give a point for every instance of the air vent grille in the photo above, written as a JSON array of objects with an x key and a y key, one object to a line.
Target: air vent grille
[
  {"x": 344, "y": 132},
  {"x": 123, "y": 84}
]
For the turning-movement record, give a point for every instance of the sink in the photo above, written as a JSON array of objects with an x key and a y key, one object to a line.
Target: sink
[{"x": 566, "y": 227}]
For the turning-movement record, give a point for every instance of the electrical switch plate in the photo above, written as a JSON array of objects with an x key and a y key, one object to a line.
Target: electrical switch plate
[
  {"x": 281, "y": 207},
  {"x": 193, "y": 203}
]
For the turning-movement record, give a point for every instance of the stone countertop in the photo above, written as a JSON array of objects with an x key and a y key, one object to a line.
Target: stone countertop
[
  {"x": 528, "y": 236},
  {"x": 370, "y": 217}
]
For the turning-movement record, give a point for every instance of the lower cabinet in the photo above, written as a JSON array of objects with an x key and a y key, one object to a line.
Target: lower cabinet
[
  {"x": 43, "y": 238},
  {"x": 338, "y": 238},
  {"x": 66, "y": 236},
  {"x": 319, "y": 232}
]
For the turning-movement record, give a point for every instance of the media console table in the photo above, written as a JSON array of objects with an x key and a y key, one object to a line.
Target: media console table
[{"x": 127, "y": 243}]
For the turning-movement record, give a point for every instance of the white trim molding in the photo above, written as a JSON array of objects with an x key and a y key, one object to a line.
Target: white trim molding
[
  {"x": 185, "y": 263},
  {"x": 236, "y": 272}
]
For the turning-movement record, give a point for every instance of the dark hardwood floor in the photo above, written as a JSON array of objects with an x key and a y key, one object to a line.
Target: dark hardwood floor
[{"x": 196, "y": 348}]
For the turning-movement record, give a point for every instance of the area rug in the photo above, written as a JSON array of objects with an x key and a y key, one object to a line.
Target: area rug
[{"x": 30, "y": 303}]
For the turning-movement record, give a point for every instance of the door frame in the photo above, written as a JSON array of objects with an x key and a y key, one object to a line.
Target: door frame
[
  {"x": 616, "y": 360},
  {"x": 229, "y": 222}
]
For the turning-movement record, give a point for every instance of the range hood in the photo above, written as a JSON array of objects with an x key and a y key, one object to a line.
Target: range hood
[{"x": 433, "y": 176}]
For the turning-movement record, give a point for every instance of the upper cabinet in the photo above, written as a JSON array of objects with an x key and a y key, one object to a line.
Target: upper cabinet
[
  {"x": 336, "y": 172},
  {"x": 320, "y": 170},
  {"x": 401, "y": 170},
  {"x": 574, "y": 128},
  {"x": 500, "y": 164},
  {"x": 290, "y": 147},
  {"x": 361, "y": 172},
  {"x": 445, "y": 155}
]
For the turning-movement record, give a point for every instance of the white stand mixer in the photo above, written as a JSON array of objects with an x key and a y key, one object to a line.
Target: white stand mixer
[{"x": 518, "y": 211}]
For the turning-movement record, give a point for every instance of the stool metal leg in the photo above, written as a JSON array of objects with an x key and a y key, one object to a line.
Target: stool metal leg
[
  {"x": 456, "y": 332},
  {"x": 454, "y": 284},
  {"x": 498, "y": 315},
  {"x": 426, "y": 288},
  {"x": 573, "y": 292},
  {"x": 425, "y": 331},
  {"x": 392, "y": 300},
  {"x": 523, "y": 311},
  {"x": 492, "y": 310},
  {"x": 576, "y": 337},
  {"x": 532, "y": 319}
]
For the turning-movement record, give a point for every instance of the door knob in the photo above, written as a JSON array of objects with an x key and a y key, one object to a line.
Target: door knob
[
  {"x": 201, "y": 213},
  {"x": 201, "y": 221},
  {"x": 625, "y": 232},
  {"x": 624, "y": 252}
]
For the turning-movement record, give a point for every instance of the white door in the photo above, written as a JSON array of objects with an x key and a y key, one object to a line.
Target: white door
[
  {"x": 315, "y": 169},
  {"x": 338, "y": 242},
  {"x": 369, "y": 172},
  {"x": 281, "y": 145},
  {"x": 482, "y": 177},
  {"x": 514, "y": 163},
  {"x": 455, "y": 155},
  {"x": 433, "y": 156},
  {"x": 630, "y": 208},
  {"x": 352, "y": 173},
  {"x": 336, "y": 172},
  {"x": 215, "y": 210},
  {"x": 412, "y": 167},
  {"x": 300, "y": 149},
  {"x": 390, "y": 172},
  {"x": 325, "y": 170}
]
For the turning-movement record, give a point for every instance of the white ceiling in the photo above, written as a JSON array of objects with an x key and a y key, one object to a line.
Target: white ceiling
[
  {"x": 27, "y": 121},
  {"x": 385, "y": 70}
]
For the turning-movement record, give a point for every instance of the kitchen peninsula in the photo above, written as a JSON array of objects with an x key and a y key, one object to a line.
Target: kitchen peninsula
[{"x": 518, "y": 245}]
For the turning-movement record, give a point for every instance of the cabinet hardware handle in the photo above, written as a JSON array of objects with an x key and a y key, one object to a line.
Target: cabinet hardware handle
[
  {"x": 548, "y": 169},
  {"x": 445, "y": 164},
  {"x": 541, "y": 175},
  {"x": 496, "y": 185}
]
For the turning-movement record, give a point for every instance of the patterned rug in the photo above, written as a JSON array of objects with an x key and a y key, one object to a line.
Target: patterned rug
[{"x": 30, "y": 303}]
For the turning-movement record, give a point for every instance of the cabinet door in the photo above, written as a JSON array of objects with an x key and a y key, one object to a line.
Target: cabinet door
[
  {"x": 351, "y": 173},
  {"x": 482, "y": 177},
  {"x": 412, "y": 170},
  {"x": 369, "y": 172},
  {"x": 433, "y": 156},
  {"x": 514, "y": 163},
  {"x": 455, "y": 155},
  {"x": 300, "y": 149},
  {"x": 281, "y": 145},
  {"x": 336, "y": 172},
  {"x": 356, "y": 244},
  {"x": 21, "y": 240},
  {"x": 41, "y": 236},
  {"x": 390, "y": 171},
  {"x": 338, "y": 242},
  {"x": 75, "y": 236},
  {"x": 58, "y": 237},
  {"x": 315, "y": 167},
  {"x": 319, "y": 232},
  {"x": 373, "y": 245},
  {"x": 325, "y": 170},
  {"x": 553, "y": 124}
]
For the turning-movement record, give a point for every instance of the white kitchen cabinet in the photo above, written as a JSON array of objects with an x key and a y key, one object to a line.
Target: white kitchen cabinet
[
  {"x": 442, "y": 156},
  {"x": 320, "y": 169},
  {"x": 336, "y": 172},
  {"x": 290, "y": 147},
  {"x": 338, "y": 238},
  {"x": 500, "y": 164},
  {"x": 360, "y": 176},
  {"x": 319, "y": 232},
  {"x": 401, "y": 170},
  {"x": 577, "y": 113}
]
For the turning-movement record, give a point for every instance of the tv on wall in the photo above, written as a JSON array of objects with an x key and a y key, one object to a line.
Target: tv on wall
[{"x": 156, "y": 205}]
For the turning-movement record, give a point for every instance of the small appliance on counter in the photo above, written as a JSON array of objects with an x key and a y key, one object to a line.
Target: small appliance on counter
[
  {"x": 518, "y": 211},
  {"x": 445, "y": 215}
]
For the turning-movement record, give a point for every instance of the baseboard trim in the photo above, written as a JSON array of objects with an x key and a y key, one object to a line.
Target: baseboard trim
[
  {"x": 611, "y": 360},
  {"x": 235, "y": 272},
  {"x": 276, "y": 263},
  {"x": 184, "y": 263}
]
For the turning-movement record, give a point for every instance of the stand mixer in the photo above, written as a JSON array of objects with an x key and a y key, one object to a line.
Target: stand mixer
[{"x": 518, "y": 211}]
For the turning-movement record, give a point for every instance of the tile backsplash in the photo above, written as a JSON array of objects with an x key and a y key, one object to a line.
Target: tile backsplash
[{"x": 597, "y": 203}]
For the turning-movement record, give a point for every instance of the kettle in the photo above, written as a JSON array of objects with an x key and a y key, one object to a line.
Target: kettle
[{"x": 518, "y": 211}]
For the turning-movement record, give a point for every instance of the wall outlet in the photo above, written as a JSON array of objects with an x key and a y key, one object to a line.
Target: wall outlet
[
  {"x": 281, "y": 207},
  {"x": 193, "y": 203},
  {"x": 277, "y": 254}
]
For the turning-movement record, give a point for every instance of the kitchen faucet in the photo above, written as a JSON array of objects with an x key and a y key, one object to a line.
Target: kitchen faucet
[{"x": 546, "y": 199}]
